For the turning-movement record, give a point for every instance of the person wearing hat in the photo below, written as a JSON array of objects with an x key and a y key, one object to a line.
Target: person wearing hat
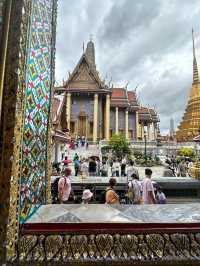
[
  {"x": 87, "y": 195},
  {"x": 64, "y": 186}
]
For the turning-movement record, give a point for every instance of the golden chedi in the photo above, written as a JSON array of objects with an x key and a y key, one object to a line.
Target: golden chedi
[{"x": 190, "y": 124}]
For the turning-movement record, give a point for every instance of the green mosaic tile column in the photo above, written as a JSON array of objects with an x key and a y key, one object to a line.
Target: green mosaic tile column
[{"x": 39, "y": 81}]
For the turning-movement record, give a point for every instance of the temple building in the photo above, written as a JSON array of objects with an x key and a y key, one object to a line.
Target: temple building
[
  {"x": 97, "y": 110},
  {"x": 190, "y": 124},
  {"x": 148, "y": 124}
]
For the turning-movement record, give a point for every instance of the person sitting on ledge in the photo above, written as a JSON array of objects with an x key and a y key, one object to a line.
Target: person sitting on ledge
[
  {"x": 87, "y": 196},
  {"x": 111, "y": 195},
  {"x": 160, "y": 196}
]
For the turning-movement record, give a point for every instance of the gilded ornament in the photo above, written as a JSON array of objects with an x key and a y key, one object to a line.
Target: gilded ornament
[
  {"x": 156, "y": 244},
  {"x": 52, "y": 246},
  {"x": 79, "y": 246},
  {"x": 104, "y": 244},
  {"x": 38, "y": 253},
  {"x": 194, "y": 246},
  {"x": 26, "y": 244},
  {"x": 66, "y": 249},
  {"x": 170, "y": 250},
  {"x": 182, "y": 243},
  {"x": 143, "y": 248},
  {"x": 130, "y": 245},
  {"x": 117, "y": 250},
  {"x": 92, "y": 248}
]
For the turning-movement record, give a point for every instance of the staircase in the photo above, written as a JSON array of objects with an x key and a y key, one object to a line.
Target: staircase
[{"x": 82, "y": 152}]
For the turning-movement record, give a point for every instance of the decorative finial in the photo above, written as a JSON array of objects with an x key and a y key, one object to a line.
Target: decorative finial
[
  {"x": 136, "y": 88},
  {"x": 126, "y": 85},
  {"x": 110, "y": 81},
  {"x": 83, "y": 47},
  {"x": 195, "y": 67}
]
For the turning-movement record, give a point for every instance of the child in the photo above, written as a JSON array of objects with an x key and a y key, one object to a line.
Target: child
[
  {"x": 160, "y": 196},
  {"x": 87, "y": 196}
]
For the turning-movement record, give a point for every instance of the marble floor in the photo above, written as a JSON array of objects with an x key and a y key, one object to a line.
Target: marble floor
[{"x": 102, "y": 213}]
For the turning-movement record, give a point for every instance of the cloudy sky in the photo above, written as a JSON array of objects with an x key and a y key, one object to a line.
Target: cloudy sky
[{"x": 144, "y": 42}]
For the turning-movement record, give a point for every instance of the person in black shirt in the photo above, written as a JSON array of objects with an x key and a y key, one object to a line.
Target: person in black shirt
[{"x": 92, "y": 167}]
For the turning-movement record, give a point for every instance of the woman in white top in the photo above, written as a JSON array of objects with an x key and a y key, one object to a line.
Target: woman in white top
[
  {"x": 84, "y": 168},
  {"x": 131, "y": 170},
  {"x": 115, "y": 168}
]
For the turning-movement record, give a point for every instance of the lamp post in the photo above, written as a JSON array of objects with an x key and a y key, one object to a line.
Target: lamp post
[{"x": 145, "y": 146}]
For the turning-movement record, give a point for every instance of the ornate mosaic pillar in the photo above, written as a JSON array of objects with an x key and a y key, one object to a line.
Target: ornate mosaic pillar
[{"x": 25, "y": 126}]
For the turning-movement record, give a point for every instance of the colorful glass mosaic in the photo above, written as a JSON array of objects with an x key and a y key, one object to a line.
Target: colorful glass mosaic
[{"x": 37, "y": 105}]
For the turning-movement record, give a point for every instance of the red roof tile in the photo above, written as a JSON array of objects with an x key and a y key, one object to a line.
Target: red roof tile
[{"x": 118, "y": 93}]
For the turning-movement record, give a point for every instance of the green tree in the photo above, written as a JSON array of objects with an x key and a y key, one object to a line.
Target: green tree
[
  {"x": 188, "y": 152},
  {"x": 119, "y": 145}
]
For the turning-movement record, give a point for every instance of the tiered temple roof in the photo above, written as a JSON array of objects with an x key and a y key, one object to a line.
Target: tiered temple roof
[
  {"x": 120, "y": 97},
  {"x": 85, "y": 79}
]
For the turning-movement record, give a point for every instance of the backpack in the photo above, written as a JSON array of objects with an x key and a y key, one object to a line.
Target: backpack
[
  {"x": 131, "y": 193},
  {"x": 103, "y": 196}
]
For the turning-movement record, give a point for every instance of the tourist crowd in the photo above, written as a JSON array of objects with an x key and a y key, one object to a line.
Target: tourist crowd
[
  {"x": 138, "y": 192},
  {"x": 177, "y": 167},
  {"x": 94, "y": 167}
]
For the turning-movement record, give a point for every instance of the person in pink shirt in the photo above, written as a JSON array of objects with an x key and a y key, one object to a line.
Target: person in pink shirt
[
  {"x": 64, "y": 186},
  {"x": 148, "y": 194}
]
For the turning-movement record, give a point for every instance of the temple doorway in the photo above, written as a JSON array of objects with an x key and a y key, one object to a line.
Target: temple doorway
[{"x": 82, "y": 124}]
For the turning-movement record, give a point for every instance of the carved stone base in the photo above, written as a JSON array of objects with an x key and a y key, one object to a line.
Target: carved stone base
[{"x": 140, "y": 249}]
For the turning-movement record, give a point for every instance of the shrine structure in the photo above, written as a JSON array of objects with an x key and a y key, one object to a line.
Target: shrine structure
[
  {"x": 98, "y": 110},
  {"x": 190, "y": 124}
]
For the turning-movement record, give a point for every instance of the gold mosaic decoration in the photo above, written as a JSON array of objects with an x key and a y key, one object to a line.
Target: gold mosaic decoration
[{"x": 160, "y": 248}]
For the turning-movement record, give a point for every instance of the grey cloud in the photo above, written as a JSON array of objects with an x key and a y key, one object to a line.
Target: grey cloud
[
  {"x": 143, "y": 42},
  {"x": 125, "y": 17}
]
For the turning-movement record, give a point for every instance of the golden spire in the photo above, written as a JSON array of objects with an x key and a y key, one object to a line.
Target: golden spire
[{"x": 195, "y": 67}]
